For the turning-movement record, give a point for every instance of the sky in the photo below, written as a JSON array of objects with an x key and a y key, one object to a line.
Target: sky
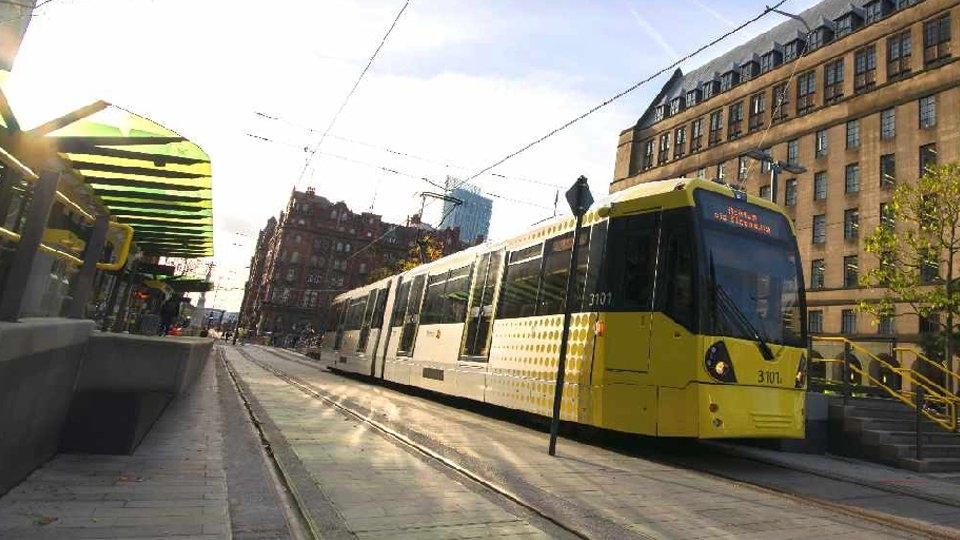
[{"x": 457, "y": 86}]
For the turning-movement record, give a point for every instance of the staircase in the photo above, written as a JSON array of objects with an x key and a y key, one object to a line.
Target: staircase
[{"x": 884, "y": 431}]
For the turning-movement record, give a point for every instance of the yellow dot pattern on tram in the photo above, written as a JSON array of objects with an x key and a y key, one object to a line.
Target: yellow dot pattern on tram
[{"x": 523, "y": 363}]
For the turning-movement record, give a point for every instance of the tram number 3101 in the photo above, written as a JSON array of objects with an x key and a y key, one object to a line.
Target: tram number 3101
[{"x": 768, "y": 377}]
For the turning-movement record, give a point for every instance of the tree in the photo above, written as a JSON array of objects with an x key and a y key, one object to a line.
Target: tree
[
  {"x": 916, "y": 247},
  {"x": 427, "y": 248}
]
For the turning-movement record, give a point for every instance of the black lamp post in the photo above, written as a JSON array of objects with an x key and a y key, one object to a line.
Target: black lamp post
[{"x": 775, "y": 168}]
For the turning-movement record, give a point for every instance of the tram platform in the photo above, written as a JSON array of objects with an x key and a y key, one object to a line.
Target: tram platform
[{"x": 201, "y": 473}]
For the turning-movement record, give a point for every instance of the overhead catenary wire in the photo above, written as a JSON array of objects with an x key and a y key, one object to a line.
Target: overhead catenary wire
[
  {"x": 621, "y": 94},
  {"x": 316, "y": 147}
]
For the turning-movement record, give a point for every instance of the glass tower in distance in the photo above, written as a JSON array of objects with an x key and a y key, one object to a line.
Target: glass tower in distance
[{"x": 473, "y": 216}]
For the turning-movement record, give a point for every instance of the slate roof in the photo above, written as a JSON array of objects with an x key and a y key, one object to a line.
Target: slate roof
[{"x": 823, "y": 13}]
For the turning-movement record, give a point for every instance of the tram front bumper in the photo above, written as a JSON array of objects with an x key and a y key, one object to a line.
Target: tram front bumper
[{"x": 727, "y": 411}]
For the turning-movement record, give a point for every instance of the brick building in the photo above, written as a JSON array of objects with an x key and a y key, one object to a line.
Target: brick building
[
  {"x": 316, "y": 250},
  {"x": 864, "y": 102}
]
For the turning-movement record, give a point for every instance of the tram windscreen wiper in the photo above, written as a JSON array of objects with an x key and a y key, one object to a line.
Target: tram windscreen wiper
[{"x": 735, "y": 314}]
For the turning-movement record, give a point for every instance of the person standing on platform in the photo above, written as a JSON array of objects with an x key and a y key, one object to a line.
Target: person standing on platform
[{"x": 169, "y": 312}]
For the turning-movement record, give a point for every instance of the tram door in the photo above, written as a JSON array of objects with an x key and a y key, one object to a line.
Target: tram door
[
  {"x": 631, "y": 260},
  {"x": 411, "y": 320},
  {"x": 365, "y": 324},
  {"x": 476, "y": 343}
]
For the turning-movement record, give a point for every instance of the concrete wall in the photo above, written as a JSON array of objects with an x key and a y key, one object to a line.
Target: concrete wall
[{"x": 39, "y": 363}]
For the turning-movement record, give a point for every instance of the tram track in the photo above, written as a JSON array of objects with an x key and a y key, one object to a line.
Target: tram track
[{"x": 899, "y": 523}]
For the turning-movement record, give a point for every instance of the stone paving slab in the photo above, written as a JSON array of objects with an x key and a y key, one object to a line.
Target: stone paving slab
[
  {"x": 173, "y": 486},
  {"x": 377, "y": 488},
  {"x": 652, "y": 499}
]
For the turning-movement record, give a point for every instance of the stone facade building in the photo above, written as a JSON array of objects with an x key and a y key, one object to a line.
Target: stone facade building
[
  {"x": 863, "y": 102},
  {"x": 313, "y": 252}
]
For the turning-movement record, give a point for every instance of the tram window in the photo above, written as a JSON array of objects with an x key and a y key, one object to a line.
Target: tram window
[
  {"x": 630, "y": 264},
  {"x": 593, "y": 300},
  {"x": 433, "y": 301},
  {"x": 378, "y": 310},
  {"x": 556, "y": 266},
  {"x": 521, "y": 284},
  {"x": 446, "y": 297},
  {"x": 675, "y": 294},
  {"x": 355, "y": 311},
  {"x": 333, "y": 317}
]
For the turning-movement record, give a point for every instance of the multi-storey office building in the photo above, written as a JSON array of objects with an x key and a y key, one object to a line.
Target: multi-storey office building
[
  {"x": 866, "y": 100},
  {"x": 313, "y": 252},
  {"x": 473, "y": 213}
]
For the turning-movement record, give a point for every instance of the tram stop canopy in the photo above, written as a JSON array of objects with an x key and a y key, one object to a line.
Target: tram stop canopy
[{"x": 146, "y": 175}]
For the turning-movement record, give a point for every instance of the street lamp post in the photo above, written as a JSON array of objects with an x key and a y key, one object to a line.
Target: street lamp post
[{"x": 775, "y": 168}]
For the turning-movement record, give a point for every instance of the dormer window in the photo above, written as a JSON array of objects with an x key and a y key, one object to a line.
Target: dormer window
[
  {"x": 749, "y": 70},
  {"x": 659, "y": 113},
  {"x": 693, "y": 97},
  {"x": 728, "y": 80},
  {"x": 770, "y": 60},
  {"x": 876, "y": 10},
  {"x": 847, "y": 24},
  {"x": 677, "y": 104},
  {"x": 793, "y": 50},
  {"x": 819, "y": 37},
  {"x": 710, "y": 89}
]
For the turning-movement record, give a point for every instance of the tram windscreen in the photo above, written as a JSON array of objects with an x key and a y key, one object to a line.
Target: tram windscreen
[{"x": 753, "y": 270}]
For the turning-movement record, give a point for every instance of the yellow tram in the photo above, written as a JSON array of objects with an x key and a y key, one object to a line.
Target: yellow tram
[{"x": 689, "y": 318}]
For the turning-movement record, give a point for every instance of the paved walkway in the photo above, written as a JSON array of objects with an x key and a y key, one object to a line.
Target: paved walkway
[{"x": 173, "y": 486}]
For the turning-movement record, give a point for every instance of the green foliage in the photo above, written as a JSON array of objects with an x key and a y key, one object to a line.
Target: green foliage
[
  {"x": 427, "y": 249},
  {"x": 917, "y": 251}
]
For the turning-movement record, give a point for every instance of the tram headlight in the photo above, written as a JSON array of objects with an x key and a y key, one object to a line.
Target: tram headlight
[
  {"x": 801, "y": 372},
  {"x": 718, "y": 364}
]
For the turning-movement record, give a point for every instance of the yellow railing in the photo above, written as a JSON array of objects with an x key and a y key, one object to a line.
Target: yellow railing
[
  {"x": 934, "y": 393},
  {"x": 947, "y": 373}
]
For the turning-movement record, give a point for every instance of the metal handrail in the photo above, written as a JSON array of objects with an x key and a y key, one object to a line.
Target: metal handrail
[
  {"x": 920, "y": 356},
  {"x": 949, "y": 424},
  {"x": 76, "y": 261}
]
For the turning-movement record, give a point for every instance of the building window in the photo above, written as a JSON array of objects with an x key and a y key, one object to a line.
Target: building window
[
  {"x": 819, "y": 37},
  {"x": 928, "y": 157},
  {"x": 693, "y": 97},
  {"x": 735, "y": 125},
  {"x": 833, "y": 81},
  {"x": 659, "y": 113},
  {"x": 936, "y": 40},
  {"x": 781, "y": 103},
  {"x": 853, "y": 134},
  {"x": 820, "y": 143},
  {"x": 749, "y": 70},
  {"x": 815, "y": 322},
  {"x": 728, "y": 80},
  {"x": 716, "y": 127},
  {"x": 702, "y": 172},
  {"x": 819, "y": 229},
  {"x": 929, "y": 268},
  {"x": 770, "y": 60},
  {"x": 647, "y": 154},
  {"x": 664, "y": 155},
  {"x": 679, "y": 142},
  {"x": 847, "y": 24},
  {"x": 817, "y": 274},
  {"x": 848, "y": 322},
  {"x": 851, "y": 223},
  {"x": 765, "y": 192},
  {"x": 677, "y": 104},
  {"x": 888, "y": 123},
  {"x": 696, "y": 135},
  {"x": 758, "y": 106},
  {"x": 790, "y": 192},
  {"x": 928, "y": 112},
  {"x": 874, "y": 11},
  {"x": 793, "y": 147},
  {"x": 742, "y": 168},
  {"x": 888, "y": 170},
  {"x": 851, "y": 178},
  {"x": 886, "y": 216},
  {"x": 806, "y": 92},
  {"x": 820, "y": 186},
  {"x": 720, "y": 171},
  {"x": 851, "y": 271},
  {"x": 865, "y": 69},
  {"x": 898, "y": 55},
  {"x": 710, "y": 89},
  {"x": 793, "y": 50},
  {"x": 885, "y": 325}
]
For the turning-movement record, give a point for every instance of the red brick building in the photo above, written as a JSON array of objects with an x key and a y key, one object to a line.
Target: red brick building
[{"x": 313, "y": 252}]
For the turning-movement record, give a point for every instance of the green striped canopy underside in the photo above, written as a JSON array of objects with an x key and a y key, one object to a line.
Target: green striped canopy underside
[{"x": 148, "y": 176}]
